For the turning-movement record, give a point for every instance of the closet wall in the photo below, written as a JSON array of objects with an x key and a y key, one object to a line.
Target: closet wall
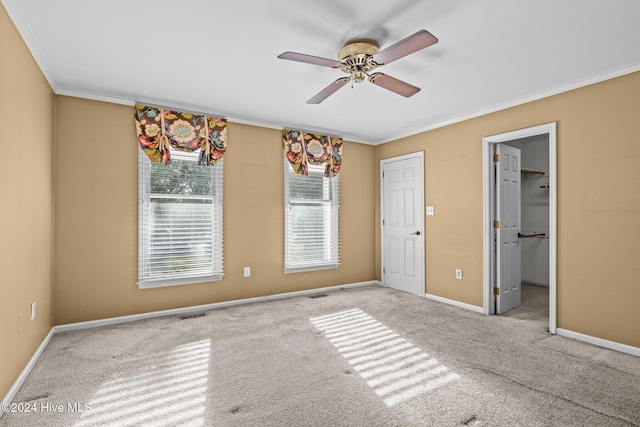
[{"x": 535, "y": 208}]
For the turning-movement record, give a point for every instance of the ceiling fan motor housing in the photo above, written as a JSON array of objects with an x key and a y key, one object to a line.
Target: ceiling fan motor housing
[{"x": 356, "y": 59}]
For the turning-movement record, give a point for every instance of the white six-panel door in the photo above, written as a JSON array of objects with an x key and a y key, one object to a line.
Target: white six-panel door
[
  {"x": 402, "y": 239},
  {"x": 508, "y": 215}
]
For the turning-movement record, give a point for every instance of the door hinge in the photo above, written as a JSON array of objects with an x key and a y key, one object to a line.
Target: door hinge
[
  {"x": 383, "y": 222},
  {"x": 496, "y": 158},
  {"x": 496, "y": 224},
  {"x": 383, "y": 270},
  {"x": 496, "y": 291}
]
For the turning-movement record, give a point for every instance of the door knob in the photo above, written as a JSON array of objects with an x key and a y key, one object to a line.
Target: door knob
[{"x": 417, "y": 233}]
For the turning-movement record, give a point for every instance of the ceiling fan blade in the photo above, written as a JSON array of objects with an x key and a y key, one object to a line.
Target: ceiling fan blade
[
  {"x": 394, "y": 85},
  {"x": 309, "y": 59},
  {"x": 406, "y": 46},
  {"x": 328, "y": 91}
]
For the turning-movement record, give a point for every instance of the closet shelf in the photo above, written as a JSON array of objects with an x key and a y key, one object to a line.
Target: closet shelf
[{"x": 532, "y": 171}]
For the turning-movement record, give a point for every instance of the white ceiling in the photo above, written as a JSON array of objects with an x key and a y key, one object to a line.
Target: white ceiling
[{"x": 220, "y": 56}]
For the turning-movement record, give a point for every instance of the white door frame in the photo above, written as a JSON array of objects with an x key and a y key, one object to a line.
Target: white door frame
[
  {"x": 487, "y": 233},
  {"x": 420, "y": 155}
]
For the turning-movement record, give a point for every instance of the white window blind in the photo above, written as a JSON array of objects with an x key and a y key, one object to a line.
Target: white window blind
[
  {"x": 179, "y": 221},
  {"x": 311, "y": 220}
]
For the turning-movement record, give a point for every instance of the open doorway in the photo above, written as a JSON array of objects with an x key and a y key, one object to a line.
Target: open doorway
[{"x": 525, "y": 250}]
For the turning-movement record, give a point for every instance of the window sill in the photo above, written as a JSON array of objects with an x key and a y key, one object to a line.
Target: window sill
[
  {"x": 307, "y": 268},
  {"x": 160, "y": 283}
]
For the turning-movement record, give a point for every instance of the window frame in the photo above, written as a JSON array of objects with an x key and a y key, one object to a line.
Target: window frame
[
  {"x": 291, "y": 266},
  {"x": 216, "y": 273}
]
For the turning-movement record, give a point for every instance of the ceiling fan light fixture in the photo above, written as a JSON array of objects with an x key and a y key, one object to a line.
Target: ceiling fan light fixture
[{"x": 358, "y": 76}]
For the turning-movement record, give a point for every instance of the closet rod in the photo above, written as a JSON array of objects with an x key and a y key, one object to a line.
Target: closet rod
[{"x": 524, "y": 236}]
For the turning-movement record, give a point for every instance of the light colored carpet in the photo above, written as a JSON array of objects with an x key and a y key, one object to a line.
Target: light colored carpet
[{"x": 366, "y": 356}]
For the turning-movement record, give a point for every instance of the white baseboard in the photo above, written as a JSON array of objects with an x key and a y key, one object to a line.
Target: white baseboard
[
  {"x": 599, "y": 342},
  {"x": 204, "y": 307},
  {"x": 27, "y": 369},
  {"x": 455, "y": 303}
]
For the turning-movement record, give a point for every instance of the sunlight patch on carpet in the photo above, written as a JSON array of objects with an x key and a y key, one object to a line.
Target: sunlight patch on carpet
[
  {"x": 395, "y": 369},
  {"x": 168, "y": 388}
]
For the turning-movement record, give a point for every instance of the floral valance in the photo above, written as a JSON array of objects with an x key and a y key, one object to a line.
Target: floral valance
[
  {"x": 302, "y": 149},
  {"x": 161, "y": 130}
]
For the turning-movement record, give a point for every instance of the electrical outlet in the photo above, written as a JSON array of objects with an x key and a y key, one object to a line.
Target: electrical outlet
[
  {"x": 247, "y": 272},
  {"x": 33, "y": 310},
  {"x": 459, "y": 273}
]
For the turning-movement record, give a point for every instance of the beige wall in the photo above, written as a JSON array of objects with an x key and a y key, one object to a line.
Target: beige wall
[
  {"x": 598, "y": 204},
  {"x": 96, "y": 218},
  {"x": 26, "y": 204}
]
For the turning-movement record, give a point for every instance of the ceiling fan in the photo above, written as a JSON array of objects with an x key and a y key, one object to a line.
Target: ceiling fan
[{"x": 359, "y": 57}]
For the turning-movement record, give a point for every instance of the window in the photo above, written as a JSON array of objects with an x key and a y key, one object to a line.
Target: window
[
  {"x": 311, "y": 220},
  {"x": 179, "y": 221}
]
